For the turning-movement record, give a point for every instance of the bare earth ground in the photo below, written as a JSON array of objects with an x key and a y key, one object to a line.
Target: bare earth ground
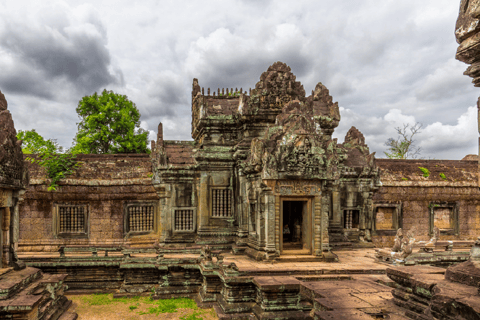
[{"x": 103, "y": 307}]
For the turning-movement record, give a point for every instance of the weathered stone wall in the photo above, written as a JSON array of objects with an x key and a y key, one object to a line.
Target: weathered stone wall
[
  {"x": 403, "y": 184},
  {"x": 103, "y": 182},
  {"x": 12, "y": 173}
]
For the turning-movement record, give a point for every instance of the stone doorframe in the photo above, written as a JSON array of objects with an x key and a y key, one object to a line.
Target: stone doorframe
[{"x": 308, "y": 215}]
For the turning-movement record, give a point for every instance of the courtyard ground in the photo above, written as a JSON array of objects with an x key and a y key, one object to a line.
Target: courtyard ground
[{"x": 104, "y": 307}]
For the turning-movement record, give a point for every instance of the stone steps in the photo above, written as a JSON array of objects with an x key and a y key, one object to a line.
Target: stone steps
[
  {"x": 13, "y": 282},
  {"x": 30, "y": 294}
]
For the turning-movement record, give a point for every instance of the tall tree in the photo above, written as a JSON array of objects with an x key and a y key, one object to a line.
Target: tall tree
[
  {"x": 404, "y": 146},
  {"x": 110, "y": 123}
]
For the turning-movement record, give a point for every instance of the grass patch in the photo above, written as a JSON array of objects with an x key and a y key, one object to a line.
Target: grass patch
[
  {"x": 170, "y": 305},
  {"x": 135, "y": 307},
  {"x": 159, "y": 306}
]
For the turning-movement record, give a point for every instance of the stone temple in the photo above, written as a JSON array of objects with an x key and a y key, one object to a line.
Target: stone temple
[
  {"x": 263, "y": 215},
  {"x": 263, "y": 178}
]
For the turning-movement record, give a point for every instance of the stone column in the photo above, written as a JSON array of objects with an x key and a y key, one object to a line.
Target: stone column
[
  {"x": 317, "y": 228},
  {"x": 336, "y": 206},
  {"x": 368, "y": 214},
  {"x": 203, "y": 201},
  {"x": 5, "y": 242},
  {"x": 270, "y": 224},
  {"x": 242, "y": 208},
  {"x": 325, "y": 208}
]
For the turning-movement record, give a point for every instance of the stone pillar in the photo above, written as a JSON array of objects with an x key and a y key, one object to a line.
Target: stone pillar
[
  {"x": 5, "y": 242},
  {"x": 278, "y": 228},
  {"x": 203, "y": 201},
  {"x": 270, "y": 223},
  {"x": 336, "y": 207},
  {"x": 317, "y": 228},
  {"x": 242, "y": 208},
  {"x": 325, "y": 208},
  {"x": 368, "y": 210}
]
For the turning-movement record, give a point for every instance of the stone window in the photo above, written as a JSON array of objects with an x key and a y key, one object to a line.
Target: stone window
[
  {"x": 140, "y": 218},
  {"x": 387, "y": 218},
  {"x": 184, "y": 220},
  {"x": 70, "y": 220},
  {"x": 444, "y": 216},
  {"x": 351, "y": 219},
  {"x": 222, "y": 203}
]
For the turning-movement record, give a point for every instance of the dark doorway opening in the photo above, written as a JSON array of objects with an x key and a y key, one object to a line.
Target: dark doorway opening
[{"x": 293, "y": 225}]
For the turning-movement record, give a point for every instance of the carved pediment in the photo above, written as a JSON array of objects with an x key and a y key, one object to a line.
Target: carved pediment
[{"x": 294, "y": 148}]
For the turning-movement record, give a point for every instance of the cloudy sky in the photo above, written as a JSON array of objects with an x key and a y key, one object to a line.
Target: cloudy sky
[{"x": 386, "y": 62}]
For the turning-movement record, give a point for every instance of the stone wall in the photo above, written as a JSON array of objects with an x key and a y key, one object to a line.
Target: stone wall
[
  {"x": 104, "y": 183},
  {"x": 404, "y": 185},
  {"x": 12, "y": 174}
]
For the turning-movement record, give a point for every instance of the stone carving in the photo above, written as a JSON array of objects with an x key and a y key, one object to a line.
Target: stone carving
[
  {"x": 327, "y": 112},
  {"x": 475, "y": 251},
  {"x": 430, "y": 245},
  {"x": 277, "y": 86},
  {"x": 294, "y": 148},
  {"x": 403, "y": 245},
  {"x": 300, "y": 187},
  {"x": 467, "y": 33},
  {"x": 397, "y": 246}
]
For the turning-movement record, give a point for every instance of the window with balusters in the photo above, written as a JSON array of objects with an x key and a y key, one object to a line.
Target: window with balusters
[
  {"x": 184, "y": 219},
  {"x": 140, "y": 218},
  {"x": 351, "y": 219},
  {"x": 222, "y": 203},
  {"x": 71, "y": 220}
]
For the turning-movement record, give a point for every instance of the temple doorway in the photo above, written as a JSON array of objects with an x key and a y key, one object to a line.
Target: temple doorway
[{"x": 296, "y": 229}]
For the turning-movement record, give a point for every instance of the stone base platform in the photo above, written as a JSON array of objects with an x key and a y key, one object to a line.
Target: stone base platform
[
  {"x": 239, "y": 287},
  {"x": 30, "y": 294},
  {"x": 420, "y": 257},
  {"x": 425, "y": 293}
]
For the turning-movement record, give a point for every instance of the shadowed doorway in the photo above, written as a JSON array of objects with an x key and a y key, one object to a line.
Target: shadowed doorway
[{"x": 295, "y": 228}]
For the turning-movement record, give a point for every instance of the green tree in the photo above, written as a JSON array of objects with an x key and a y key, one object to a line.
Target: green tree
[
  {"x": 32, "y": 142},
  {"x": 110, "y": 123},
  {"x": 404, "y": 146},
  {"x": 48, "y": 154}
]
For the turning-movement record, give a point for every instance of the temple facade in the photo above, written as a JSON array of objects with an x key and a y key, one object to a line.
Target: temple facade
[
  {"x": 264, "y": 171},
  {"x": 262, "y": 177}
]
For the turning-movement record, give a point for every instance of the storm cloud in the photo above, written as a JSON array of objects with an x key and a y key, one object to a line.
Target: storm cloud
[{"x": 387, "y": 63}]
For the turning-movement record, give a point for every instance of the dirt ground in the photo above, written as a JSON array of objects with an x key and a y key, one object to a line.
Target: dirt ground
[{"x": 90, "y": 307}]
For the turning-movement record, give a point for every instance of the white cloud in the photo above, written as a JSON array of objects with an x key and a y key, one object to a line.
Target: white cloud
[{"x": 436, "y": 140}]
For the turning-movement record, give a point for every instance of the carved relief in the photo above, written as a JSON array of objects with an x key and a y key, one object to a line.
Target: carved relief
[{"x": 298, "y": 187}]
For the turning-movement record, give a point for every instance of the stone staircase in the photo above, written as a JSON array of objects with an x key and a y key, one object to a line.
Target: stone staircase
[{"x": 29, "y": 294}]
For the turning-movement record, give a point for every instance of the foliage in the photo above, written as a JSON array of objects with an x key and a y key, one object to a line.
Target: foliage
[
  {"x": 425, "y": 171},
  {"x": 32, "y": 142},
  {"x": 98, "y": 299},
  {"x": 405, "y": 179},
  {"x": 48, "y": 155},
  {"x": 171, "y": 305},
  {"x": 157, "y": 306},
  {"x": 192, "y": 316},
  {"x": 442, "y": 175},
  {"x": 110, "y": 123},
  {"x": 404, "y": 146}
]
